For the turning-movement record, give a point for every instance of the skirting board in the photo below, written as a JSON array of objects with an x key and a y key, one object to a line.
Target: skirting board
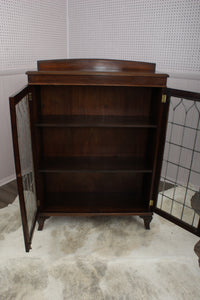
[{"x": 7, "y": 179}]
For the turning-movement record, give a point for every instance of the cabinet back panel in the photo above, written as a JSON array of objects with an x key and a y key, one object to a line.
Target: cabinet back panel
[
  {"x": 96, "y": 191},
  {"x": 93, "y": 182},
  {"x": 96, "y": 100},
  {"x": 63, "y": 142},
  {"x": 111, "y": 203}
]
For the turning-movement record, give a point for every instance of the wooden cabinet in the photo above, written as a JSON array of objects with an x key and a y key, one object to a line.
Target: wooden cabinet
[{"x": 96, "y": 132}]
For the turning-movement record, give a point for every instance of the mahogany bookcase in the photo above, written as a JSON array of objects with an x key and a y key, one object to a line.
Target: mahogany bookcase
[{"x": 88, "y": 139}]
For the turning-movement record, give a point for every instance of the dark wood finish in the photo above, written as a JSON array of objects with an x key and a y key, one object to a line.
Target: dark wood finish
[
  {"x": 94, "y": 182},
  {"x": 90, "y": 78},
  {"x": 98, "y": 164},
  {"x": 11, "y": 188},
  {"x": 159, "y": 149},
  {"x": 96, "y": 72},
  {"x": 102, "y": 202},
  {"x": 41, "y": 220},
  {"x": 13, "y": 101},
  {"x": 99, "y": 101},
  {"x": 97, "y": 126},
  {"x": 35, "y": 107},
  {"x": 147, "y": 221},
  {"x": 95, "y": 121},
  {"x": 183, "y": 94},
  {"x": 110, "y": 142},
  {"x": 89, "y": 214},
  {"x": 95, "y": 65}
]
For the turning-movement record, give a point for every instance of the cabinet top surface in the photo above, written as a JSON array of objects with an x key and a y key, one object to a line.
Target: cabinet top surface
[
  {"x": 92, "y": 73},
  {"x": 96, "y": 72}
]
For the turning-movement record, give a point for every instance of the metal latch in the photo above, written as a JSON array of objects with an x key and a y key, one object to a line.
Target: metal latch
[
  {"x": 164, "y": 98},
  {"x": 151, "y": 203},
  {"x": 30, "y": 96}
]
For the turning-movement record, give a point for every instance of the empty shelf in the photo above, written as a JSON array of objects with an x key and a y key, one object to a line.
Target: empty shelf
[
  {"x": 92, "y": 164},
  {"x": 95, "y": 121}
]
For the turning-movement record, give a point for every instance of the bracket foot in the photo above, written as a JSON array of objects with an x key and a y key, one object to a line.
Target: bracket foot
[
  {"x": 41, "y": 221},
  {"x": 147, "y": 221}
]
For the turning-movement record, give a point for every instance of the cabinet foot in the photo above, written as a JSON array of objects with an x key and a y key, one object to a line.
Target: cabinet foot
[
  {"x": 41, "y": 221},
  {"x": 147, "y": 221}
]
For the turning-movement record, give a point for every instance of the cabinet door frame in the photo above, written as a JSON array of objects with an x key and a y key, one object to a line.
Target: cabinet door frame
[
  {"x": 169, "y": 92},
  {"x": 14, "y": 100}
]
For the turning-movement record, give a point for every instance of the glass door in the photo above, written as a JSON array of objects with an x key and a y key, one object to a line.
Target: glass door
[
  {"x": 179, "y": 196},
  {"x": 21, "y": 131}
]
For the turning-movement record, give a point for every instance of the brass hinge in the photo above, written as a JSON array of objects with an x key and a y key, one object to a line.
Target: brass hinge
[
  {"x": 29, "y": 96},
  {"x": 38, "y": 202},
  {"x": 164, "y": 99},
  {"x": 151, "y": 203}
]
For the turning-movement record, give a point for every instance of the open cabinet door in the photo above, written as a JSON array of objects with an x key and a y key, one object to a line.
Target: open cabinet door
[
  {"x": 180, "y": 173},
  {"x": 21, "y": 131}
]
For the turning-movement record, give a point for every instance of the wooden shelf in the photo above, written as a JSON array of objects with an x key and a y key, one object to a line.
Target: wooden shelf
[
  {"x": 95, "y": 121},
  {"x": 94, "y": 164},
  {"x": 94, "y": 202}
]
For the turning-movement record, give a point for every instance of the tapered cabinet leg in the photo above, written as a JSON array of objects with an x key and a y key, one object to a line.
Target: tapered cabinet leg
[
  {"x": 41, "y": 221},
  {"x": 147, "y": 221}
]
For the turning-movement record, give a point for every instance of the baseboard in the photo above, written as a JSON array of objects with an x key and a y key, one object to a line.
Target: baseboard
[{"x": 7, "y": 179}]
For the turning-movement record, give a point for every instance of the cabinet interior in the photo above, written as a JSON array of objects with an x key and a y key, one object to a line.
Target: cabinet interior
[{"x": 97, "y": 144}]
